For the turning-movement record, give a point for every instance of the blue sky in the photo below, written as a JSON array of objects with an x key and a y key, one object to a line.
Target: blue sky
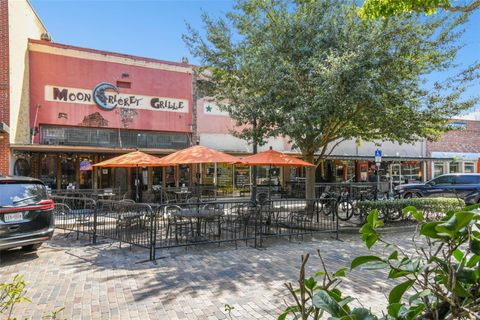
[{"x": 154, "y": 28}]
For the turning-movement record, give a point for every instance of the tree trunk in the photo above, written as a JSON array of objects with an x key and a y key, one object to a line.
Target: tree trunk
[
  {"x": 253, "y": 192},
  {"x": 310, "y": 181}
]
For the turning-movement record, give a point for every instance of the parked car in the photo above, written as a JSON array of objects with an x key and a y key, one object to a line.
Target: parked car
[
  {"x": 462, "y": 185},
  {"x": 26, "y": 213}
]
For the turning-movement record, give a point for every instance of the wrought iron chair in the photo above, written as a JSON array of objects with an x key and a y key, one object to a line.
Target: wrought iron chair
[{"x": 178, "y": 225}]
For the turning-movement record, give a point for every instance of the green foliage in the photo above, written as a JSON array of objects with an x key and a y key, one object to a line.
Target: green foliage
[
  {"x": 440, "y": 275},
  {"x": 386, "y": 8},
  {"x": 11, "y": 294},
  {"x": 416, "y": 208},
  {"x": 315, "y": 72},
  {"x": 14, "y": 292}
]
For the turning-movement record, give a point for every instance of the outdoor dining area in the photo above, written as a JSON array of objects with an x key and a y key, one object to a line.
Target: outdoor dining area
[{"x": 183, "y": 217}]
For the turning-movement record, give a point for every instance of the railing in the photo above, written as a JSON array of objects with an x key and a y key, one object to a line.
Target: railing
[
  {"x": 157, "y": 227},
  {"x": 356, "y": 190}
]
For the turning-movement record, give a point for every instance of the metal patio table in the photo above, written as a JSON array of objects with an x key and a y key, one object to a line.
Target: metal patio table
[{"x": 198, "y": 214}]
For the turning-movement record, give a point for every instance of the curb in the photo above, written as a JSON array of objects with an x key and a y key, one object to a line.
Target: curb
[{"x": 356, "y": 230}]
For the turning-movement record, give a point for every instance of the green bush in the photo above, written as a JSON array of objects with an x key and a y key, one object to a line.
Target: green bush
[
  {"x": 391, "y": 209},
  {"x": 437, "y": 279}
]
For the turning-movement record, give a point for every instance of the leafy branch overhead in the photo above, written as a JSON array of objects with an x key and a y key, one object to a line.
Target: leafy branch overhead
[{"x": 386, "y": 8}]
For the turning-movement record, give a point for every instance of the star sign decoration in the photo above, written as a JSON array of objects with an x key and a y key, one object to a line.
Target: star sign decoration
[{"x": 209, "y": 108}]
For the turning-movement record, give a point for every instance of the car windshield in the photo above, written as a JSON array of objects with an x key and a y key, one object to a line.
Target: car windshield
[{"x": 21, "y": 194}]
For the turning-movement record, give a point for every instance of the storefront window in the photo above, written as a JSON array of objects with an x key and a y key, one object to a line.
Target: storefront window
[
  {"x": 208, "y": 171},
  {"x": 438, "y": 169},
  {"x": 48, "y": 170},
  {"x": 170, "y": 176},
  {"x": 469, "y": 167},
  {"x": 184, "y": 175},
  {"x": 454, "y": 167},
  {"x": 21, "y": 167},
  {"x": 68, "y": 173},
  {"x": 411, "y": 171},
  {"x": 157, "y": 176}
]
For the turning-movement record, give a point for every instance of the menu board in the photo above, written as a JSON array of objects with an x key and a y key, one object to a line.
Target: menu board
[
  {"x": 224, "y": 175},
  {"x": 242, "y": 176}
]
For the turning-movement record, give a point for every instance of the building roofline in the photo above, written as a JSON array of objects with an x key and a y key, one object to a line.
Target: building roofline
[{"x": 108, "y": 53}]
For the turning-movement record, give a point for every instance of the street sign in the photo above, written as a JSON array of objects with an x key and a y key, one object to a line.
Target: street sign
[{"x": 378, "y": 157}]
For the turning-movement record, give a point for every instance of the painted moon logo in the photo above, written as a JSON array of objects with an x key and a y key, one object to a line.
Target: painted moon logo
[{"x": 100, "y": 97}]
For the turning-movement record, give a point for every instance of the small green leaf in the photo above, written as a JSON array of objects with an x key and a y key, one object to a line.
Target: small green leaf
[
  {"x": 475, "y": 246},
  {"x": 429, "y": 230},
  {"x": 363, "y": 314},
  {"x": 397, "y": 292},
  {"x": 323, "y": 301},
  {"x": 458, "y": 254},
  {"x": 393, "y": 255},
  {"x": 473, "y": 261},
  {"x": 358, "y": 261},
  {"x": 287, "y": 311},
  {"x": 414, "y": 212},
  {"x": 310, "y": 283},
  {"x": 340, "y": 272},
  {"x": 393, "y": 309},
  {"x": 419, "y": 295},
  {"x": 397, "y": 273}
]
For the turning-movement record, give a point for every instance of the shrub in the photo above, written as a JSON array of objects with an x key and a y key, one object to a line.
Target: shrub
[
  {"x": 391, "y": 209},
  {"x": 14, "y": 292},
  {"x": 440, "y": 275}
]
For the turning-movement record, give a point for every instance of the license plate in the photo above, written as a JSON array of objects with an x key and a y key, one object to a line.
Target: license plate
[{"x": 12, "y": 217}]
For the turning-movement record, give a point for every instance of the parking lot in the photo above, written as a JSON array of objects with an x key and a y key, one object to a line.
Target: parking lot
[{"x": 108, "y": 282}]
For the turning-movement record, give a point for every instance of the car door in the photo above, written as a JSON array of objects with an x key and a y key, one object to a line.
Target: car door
[
  {"x": 465, "y": 185},
  {"x": 441, "y": 187}
]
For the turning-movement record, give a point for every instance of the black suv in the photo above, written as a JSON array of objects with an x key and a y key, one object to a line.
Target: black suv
[
  {"x": 26, "y": 213},
  {"x": 462, "y": 185}
]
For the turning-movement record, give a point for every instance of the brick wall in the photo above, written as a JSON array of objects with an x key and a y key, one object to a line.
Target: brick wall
[
  {"x": 4, "y": 87},
  {"x": 467, "y": 140}
]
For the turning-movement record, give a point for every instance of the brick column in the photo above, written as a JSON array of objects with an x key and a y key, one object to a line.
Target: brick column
[{"x": 4, "y": 88}]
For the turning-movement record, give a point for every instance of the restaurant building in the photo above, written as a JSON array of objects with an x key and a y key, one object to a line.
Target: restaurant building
[{"x": 88, "y": 105}]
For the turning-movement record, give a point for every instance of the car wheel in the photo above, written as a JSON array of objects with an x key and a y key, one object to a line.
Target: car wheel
[
  {"x": 32, "y": 247},
  {"x": 410, "y": 195}
]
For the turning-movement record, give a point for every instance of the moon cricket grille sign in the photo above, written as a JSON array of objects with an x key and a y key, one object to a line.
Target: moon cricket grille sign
[{"x": 107, "y": 97}]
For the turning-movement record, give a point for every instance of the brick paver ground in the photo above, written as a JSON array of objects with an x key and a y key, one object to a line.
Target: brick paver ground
[{"x": 108, "y": 282}]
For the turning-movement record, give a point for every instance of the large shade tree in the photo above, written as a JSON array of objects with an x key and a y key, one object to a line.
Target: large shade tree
[{"x": 315, "y": 72}]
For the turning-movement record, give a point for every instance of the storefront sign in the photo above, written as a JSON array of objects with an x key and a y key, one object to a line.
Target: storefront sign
[
  {"x": 109, "y": 100},
  {"x": 85, "y": 165},
  {"x": 213, "y": 109}
]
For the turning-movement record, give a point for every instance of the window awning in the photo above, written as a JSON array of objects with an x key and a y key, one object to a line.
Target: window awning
[{"x": 456, "y": 155}]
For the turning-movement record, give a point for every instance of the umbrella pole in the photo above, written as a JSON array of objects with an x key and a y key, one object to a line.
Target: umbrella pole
[
  {"x": 269, "y": 182},
  {"x": 137, "y": 198},
  {"x": 215, "y": 179}
]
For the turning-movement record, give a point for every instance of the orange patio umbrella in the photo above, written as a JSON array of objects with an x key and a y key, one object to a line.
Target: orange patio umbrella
[
  {"x": 199, "y": 155},
  {"x": 133, "y": 159},
  {"x": 274, "y": 158}
]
